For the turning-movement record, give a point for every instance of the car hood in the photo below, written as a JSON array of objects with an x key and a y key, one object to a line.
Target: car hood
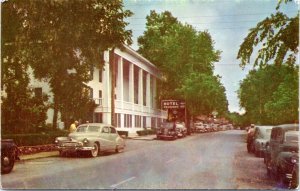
[{"x": 82, "y": 135}]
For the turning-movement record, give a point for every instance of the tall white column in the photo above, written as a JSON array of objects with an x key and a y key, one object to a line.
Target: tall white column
[
  {"x": 120, "y": 85},
  {"x": 131, "y": 83},
  {"x": 148, "y": 94},
  {"x": 141, "y": 87},
  {"x": 106, "y": 89}
]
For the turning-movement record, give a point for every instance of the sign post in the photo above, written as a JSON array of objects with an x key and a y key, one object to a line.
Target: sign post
[{"x": 176, "y": 110}]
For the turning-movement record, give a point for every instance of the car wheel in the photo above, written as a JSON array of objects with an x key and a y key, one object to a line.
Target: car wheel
[
  {"x": 7, "y": 162},
  {"x": 95, "y": 150}
]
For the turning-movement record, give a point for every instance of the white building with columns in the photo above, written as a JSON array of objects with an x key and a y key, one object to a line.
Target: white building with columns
[{"x": 135, "y": 92}]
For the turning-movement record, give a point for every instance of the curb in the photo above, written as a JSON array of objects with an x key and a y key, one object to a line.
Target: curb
[
  {"x": 39, "y": 155},
  {"x": 143, "y": 139}
]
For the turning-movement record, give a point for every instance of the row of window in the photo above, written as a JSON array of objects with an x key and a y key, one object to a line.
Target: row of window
[{"x": 139, "y": 121}]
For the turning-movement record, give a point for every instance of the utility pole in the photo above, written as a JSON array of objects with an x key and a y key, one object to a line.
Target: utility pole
[{"x": 113, "y": 82}]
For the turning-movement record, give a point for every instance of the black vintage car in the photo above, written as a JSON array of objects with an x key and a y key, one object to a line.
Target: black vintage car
[
  {"x": 288, "y": 158},
  {"x": 9, "y": 153},
  {"x": 282, "y": 152},
  {"x": 167, "y": 130}
]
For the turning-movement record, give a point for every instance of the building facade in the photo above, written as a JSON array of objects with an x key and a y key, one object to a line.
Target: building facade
[{"x": 135, "y": 92}]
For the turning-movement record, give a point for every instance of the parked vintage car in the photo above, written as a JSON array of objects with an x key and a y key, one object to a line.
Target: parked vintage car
[
  {"x": 9, "y": 154},
  {"x": 262, "y": 135},
  {"x": 287, "y": 159},
  {"x": 199, "y": 127},
  {"x": 167, "y": 130},
  {"x": 181, "y": 130},
  {"x": 92, "y": 138},
  {"x": 282, "y": 151}
]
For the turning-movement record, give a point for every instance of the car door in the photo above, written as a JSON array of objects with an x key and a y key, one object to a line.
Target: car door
[
  {"x": 113, "y": 137},
  {"x": 105, "y": 138}
]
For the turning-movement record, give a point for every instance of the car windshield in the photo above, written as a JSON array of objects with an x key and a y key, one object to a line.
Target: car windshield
[
  {"x": 85, "y": 128},
  {"x": 267, "y": 133},
  {"x": 292, "y": 138}
]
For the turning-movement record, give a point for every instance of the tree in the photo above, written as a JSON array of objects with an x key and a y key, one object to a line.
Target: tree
[
  {"x": 22, "y": 111},
  {"x": 284, "y": 103},
  {"x": 57, "y": 36},
  {"x": 185, "y": 57},
  {"x": 271, "y": 89},
  {"x": 267, "y": 93},
  {"x": 277, "y": 40},
  {"x": 181, "y": 49},
  {"x": 204, "y": 94}
]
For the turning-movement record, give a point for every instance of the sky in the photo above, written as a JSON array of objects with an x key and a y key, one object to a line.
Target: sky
[{"x": 228, "y": 22}]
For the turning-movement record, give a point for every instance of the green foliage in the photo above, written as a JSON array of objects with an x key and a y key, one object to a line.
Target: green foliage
[
  {"x": 34, "y": 138},
  {"x": 239, "y": 120},
  {"x": 56, "y": 36},
  {"x": 284, "y": 103},
  {"x": 277, "y": 40},
  {"x": 204, "y": 93},
  {"x": 270, "y": 95},
  {"x": 183, "y": 55}
]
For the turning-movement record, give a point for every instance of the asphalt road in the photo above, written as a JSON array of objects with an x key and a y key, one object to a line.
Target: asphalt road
[{"x": 201, "y": 161}]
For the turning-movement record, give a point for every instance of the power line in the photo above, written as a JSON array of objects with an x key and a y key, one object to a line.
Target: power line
[
  {"x": 229, "y": 15},
  {"x": 192, "y": 23},
  {"x": 225, "y": 28}
]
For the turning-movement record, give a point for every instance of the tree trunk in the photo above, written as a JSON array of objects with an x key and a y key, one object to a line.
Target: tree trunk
[
  {"x": 113, "y": 82},
  {"x": 188, "y": 122},
  {"x": 55, "y": 114}
]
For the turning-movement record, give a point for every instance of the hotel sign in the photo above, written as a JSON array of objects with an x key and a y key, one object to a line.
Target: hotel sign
[{"x": 172, "y": 104}]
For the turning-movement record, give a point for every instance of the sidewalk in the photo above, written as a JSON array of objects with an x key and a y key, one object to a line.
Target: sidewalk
[
  {"x": 56, "y": 153},
  {"x": 145, "y": 138}
]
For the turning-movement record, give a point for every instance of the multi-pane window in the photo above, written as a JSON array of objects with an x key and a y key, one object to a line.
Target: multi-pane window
[
  {"x": 137, "y": 121},
  {"x": 100, "y": 94},
  {"x": 91, "y": 93},
  {"x": 100, "y": 75},
  {"x": 98, "y": 117},
  {"x": 127, "y": 120}
]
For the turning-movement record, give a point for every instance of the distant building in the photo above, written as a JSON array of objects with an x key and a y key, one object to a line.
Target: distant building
[{"x": 135, "y": 92}]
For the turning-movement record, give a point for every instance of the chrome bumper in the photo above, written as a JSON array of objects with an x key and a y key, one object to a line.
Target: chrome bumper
[{"x": 77, "y": 146}]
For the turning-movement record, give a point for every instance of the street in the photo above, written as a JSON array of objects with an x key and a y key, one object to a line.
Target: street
[{"x": 216, "y": 160}]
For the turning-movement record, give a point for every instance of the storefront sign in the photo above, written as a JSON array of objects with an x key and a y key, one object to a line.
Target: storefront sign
[{"x": 172, "y": 104}]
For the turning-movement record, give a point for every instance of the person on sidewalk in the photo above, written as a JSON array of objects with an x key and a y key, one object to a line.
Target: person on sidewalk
[{"x": 73, "y": 126}]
